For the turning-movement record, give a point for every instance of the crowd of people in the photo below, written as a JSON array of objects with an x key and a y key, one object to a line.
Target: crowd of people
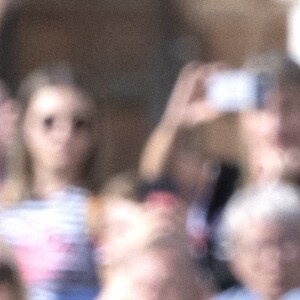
[
  {"x": 269, "y": 135},
  {"x": 186, "y": 225}
]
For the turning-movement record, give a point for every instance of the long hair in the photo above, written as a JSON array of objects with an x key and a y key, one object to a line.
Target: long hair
[{"x": 20, "y": 168}]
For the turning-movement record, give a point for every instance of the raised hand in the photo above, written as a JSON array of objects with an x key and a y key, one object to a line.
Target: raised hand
[
  {"x": 187, "y": 105},
  {"x": 186, "y": 108}
]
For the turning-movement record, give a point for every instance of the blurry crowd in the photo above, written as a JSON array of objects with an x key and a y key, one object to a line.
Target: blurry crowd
[
  {"x": 188, "y": 224},
  {"x": 235, "y": 212}
]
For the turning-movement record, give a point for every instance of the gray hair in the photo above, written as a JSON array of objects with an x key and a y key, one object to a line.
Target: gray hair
[{"x": 272, "y": 202}]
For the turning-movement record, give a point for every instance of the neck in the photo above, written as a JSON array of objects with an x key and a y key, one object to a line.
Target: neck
[{"x": 46, "y": 183}]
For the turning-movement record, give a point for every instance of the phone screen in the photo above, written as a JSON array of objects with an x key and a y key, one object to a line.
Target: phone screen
[{"x": 232, "y": 91}]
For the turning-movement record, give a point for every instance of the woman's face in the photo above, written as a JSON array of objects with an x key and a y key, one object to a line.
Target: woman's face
[
  {"x": 58, "y": 129},
  {"x": 267, "y": 257}
]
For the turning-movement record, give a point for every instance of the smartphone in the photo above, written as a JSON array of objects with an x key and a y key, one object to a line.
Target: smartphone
[{"x": 238, "y": 90}]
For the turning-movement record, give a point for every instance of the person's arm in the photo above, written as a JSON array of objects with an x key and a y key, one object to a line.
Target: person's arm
[{"x": 186, "y": 108}]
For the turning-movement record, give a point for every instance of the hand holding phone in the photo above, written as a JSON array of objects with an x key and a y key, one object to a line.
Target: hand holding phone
[{"x": 237, "y": 90}]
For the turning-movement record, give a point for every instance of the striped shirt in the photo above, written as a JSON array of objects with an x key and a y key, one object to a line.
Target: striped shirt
[{"x": 51, "y": 246}]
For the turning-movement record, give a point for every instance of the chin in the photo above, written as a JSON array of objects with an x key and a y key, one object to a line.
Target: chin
[{"x": 274, "y": 292}]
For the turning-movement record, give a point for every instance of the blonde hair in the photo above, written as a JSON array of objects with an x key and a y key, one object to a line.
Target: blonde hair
[{"x": 19, "y": 179}]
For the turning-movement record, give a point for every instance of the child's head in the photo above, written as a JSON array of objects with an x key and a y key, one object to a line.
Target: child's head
[
  {"x": 57, "y": 127},
  {"x": 155, "y": 261},
  {"x": 155, "y": 274}
]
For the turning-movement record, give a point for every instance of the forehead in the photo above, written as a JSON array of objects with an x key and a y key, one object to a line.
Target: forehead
[
  {"x": 59, "y": 100},
  {"x": 267, "y": 229}
]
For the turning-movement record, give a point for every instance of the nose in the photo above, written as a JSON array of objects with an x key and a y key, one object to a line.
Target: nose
[{"x": 64, "y": 133}]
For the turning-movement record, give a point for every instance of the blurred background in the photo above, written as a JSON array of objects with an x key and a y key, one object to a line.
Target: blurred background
[{"x": 131, "y": 51}]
